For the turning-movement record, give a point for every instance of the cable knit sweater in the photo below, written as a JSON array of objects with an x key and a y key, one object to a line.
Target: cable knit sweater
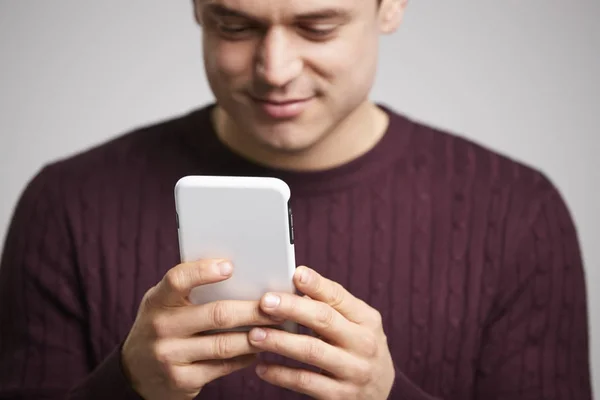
[{"x": 472, "y": 259}]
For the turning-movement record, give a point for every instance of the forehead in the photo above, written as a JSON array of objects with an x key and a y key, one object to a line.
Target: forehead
[{"x": 274, "y": 11}]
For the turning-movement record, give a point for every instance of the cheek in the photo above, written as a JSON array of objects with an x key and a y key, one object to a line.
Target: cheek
[
  {"x": 228, "y": 60},
  {"x": 346, "y": 62}
]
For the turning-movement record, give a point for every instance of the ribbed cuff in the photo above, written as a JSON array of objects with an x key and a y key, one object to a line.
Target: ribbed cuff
[
  {"x": 107, "y": 381},
  {"x": 405, "y": 389}
]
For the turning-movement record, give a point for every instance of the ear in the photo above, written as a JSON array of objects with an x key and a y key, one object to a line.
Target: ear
[
  {"x": 197, "y": 11},
  {"x": 391, "y": 13}
]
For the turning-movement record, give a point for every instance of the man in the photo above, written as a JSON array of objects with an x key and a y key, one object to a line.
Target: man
[{"x": 436, "y": 269}]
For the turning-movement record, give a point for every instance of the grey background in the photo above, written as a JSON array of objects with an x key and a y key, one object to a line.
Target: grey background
[{"x": 518, "y": 76}]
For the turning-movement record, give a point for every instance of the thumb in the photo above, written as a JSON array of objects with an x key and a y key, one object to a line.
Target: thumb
[{"x": 175, "y": 287}]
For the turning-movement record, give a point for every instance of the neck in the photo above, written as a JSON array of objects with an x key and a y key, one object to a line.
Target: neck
[{"x": 354, "y": 136}]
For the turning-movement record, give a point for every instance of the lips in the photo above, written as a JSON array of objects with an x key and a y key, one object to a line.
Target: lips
[
  {"x": 279, "y": 102},
  {"x": 283, "y": 108}
]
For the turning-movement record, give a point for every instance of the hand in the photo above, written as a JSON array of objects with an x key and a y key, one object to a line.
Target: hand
[
  {"x": 352, "y": 351},
  {"x": 164, "y": 356}
]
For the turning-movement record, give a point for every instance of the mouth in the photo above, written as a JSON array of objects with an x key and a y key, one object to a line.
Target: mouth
[
  {"x": 281, "y": 102},
  {"x": 282, "y": 108}
]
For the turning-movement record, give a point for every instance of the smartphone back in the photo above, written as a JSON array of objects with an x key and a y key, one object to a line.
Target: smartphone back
[{"x": 244, "y": 219}]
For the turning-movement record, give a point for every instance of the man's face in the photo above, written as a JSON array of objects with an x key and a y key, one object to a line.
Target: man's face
[{"x": 287, "y": 72}]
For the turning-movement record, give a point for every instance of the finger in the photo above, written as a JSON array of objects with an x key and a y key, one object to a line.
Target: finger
[
  {"x": 175, "y": 287},
  {"x": 215, "y": 369},
  {"x": 218, "y": 315},
  {"x": 318, "y": 316},
  {"x": 311, "y": 351},
  {"x": 192, "y": 377},
  {"x": 314, "y": 385},
  {"x": 311, "y": 283},
  {"x": 229, "y": 314},
  {"x": 194, "y": 349}
]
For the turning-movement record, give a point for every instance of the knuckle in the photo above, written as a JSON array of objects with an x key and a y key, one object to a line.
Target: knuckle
[
  {"x": 370, "y": 347},
  {"x": 180, "y": 382},
  {"x": 349, "y": 392},
  {"x": 162, "y": 354},
  {"x": 291, "y": 303},
  {"x": 174, "y": 377},
  {"x": 221, "y": 315},
  {"x": 276, "y": 344},
  {"x": 148, "y": 301},
  {"x": 303, "y": 380},
  {"x": 222, "y": 347},
  {"x": 325, "y": 316},
  {"x": 363, "y": 373},
  {"x": 314, "y": 352},
  {"x": 336, "y": 295},
  {"x": 159, "y": 325},
  {"x": 226, "y": 367},
  {"x": 384, "y": 339},
  {"x": 317, "y": 286},
  {"x": 257, "y": 316},
  {"x": 174, "y": 278},
  {"x": 377, "y": 318}
]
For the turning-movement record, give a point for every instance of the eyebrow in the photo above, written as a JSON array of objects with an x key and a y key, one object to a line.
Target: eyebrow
[
  {"x": 325, "y": 14},
  {"x": 220, "y": 10}
]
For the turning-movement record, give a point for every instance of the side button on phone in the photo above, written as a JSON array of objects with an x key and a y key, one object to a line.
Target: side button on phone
[{"x": 291, "y": 224}]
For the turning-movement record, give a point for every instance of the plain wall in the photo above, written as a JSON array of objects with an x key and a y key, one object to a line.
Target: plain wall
[{"x": 518, "y": 76}]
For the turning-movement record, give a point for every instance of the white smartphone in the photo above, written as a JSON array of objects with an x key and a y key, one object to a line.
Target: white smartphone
[{"x": 247, "y": 220}]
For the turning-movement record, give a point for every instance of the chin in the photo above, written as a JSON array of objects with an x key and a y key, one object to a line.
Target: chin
[
  {"x": 287, "y": 139},
  {"x": 293, "y": 135}
]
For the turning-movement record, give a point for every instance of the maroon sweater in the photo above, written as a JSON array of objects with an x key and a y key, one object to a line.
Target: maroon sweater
[{"x": 471, "y": 258}]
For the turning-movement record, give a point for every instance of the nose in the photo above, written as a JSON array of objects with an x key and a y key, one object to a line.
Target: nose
[{"x": 278, "y": 62}]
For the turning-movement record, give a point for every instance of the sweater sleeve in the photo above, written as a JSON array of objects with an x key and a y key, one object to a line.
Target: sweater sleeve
[
  {"x": 44, "y": 343},
  {"x": 535, "y": 346}
]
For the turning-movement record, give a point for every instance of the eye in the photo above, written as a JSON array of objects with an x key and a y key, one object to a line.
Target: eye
[
  {"x": 318, "y": 31},
  {"x": 233, "y": 28}
]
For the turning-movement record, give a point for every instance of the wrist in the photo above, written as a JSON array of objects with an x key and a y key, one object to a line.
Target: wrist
[{"x": 125, "y": 363}]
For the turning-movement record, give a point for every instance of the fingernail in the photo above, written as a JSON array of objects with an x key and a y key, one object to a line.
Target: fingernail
[
  {"x": 271, "y": 301},
  {"x": 303, "y": 275},
  {"x": 261, "y": 369},
  {"x": 225, "y": 268},
  {"x": 258, "y": 334}
]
